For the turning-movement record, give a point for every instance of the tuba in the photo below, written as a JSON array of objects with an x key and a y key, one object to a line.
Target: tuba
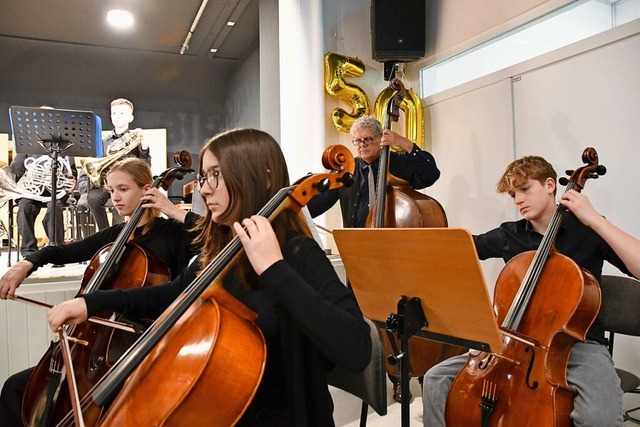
[
  {"x": 35, "y": 181},
  {"x": 96, "y": 169}
]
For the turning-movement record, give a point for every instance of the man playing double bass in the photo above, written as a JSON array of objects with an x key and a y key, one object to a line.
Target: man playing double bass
[
  {"x": 414, "y": 165},
  {"x": 585, "y": 237}
]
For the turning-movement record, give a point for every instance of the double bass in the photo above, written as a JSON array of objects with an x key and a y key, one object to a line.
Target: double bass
[
  {"x": 405, "y": 207},
  {"x": 544, "y": 302},
  {"x": 123, "y": 265},
  {"x": 201, "y": 337}
]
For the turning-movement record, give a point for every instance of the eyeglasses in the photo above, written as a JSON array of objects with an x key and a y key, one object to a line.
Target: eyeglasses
[
  {"x": 211, "y": 177},
  {"x": 365, "y": 141}
]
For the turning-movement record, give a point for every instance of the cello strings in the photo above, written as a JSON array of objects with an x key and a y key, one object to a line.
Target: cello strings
[
  {"x": 525, "y": 292},
  {"x": 111, "y": 382},
  {"x": 118, "y": 247}
]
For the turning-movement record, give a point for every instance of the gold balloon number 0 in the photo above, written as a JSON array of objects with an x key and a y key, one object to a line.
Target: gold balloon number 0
[{"x": 336, "y": 68}]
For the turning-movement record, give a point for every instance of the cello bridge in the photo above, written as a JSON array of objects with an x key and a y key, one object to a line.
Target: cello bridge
[{"x": 508, "y": 359}]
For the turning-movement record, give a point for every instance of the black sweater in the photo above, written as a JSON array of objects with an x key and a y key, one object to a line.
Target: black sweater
[
  {"x": 310, "y": 320},
  {"x": 418, "y": 167},
  {"x": 168, "y": 240}
]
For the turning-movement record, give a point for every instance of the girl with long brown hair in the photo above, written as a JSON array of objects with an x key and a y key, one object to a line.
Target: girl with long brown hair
[{"x": 309, "y": 319}]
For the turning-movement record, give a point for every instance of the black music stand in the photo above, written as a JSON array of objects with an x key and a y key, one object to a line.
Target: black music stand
[
  {"x": 43, "y": 130},
  {"x": 429, "y": 280}
]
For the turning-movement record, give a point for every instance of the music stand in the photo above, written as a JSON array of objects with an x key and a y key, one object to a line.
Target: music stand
[
  {"x": 428, "y": 279},
  {"x": 40, "y": 130}
]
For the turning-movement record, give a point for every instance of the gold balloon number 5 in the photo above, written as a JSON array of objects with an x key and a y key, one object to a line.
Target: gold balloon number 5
[{"x": 336, "y": 68}]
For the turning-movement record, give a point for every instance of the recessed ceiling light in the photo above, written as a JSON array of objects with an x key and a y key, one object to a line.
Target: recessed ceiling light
[
  {"x": 120, "y": 18},
  {"x": 231, "y": 23},
  {"x": 213, "y": 50}
]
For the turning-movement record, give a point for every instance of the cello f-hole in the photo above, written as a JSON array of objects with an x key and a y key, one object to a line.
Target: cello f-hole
[
  {"x": 484, "y": 363},
  {"x": 533, "y": 385}
]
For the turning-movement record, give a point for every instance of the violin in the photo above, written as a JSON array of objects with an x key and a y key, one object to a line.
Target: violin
[
  {"x": 544, "y": 303},
  {"x": 216, "y": 329},
  {"x": 122, "y": 264},
  {"x": 405, "y": 207}
]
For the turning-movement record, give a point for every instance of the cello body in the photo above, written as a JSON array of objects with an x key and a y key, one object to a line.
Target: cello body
[
  {"x": 544, "y": 302},
  {"x": 105, "y": 345},
  {"x": 122, "y": 265},
  {"x": 408, "y": 208},
  {"x": 216, "y": 356},
  {"x": 202, "y": 360},
  {"x": 527, "y": 380}
]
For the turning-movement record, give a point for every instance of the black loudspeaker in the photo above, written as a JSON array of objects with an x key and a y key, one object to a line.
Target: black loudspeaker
[{"x": 398, "y": 30}]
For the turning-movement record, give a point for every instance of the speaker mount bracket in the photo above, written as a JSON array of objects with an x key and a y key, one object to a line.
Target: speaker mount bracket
[{"x": 390, "y": 68}]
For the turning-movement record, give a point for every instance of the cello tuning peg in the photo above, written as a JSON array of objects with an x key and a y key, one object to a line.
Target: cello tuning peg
[
  {"x": 563, "y": 181},
  {"x": 601, "y": 170},
  {"x": 323, "y": 185},
  {"x": 569, "y": 172},
  {"x": 392, "y": 322},
  {"x": 347, "y": 180}
]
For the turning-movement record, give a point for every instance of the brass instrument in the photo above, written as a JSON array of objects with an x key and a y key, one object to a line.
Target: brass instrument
[
  {"x": 35, "y": 181},
  {"x": 96, "y": 169}
]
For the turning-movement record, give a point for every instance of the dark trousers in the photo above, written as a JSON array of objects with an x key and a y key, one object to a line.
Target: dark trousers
[
  {"x": 11, "y": 398},
  {"x": 28, "y": 211},
  {"x": 97, "y": 200}
]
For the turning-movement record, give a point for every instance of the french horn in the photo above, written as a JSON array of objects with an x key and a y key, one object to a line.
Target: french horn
[{"x": 35, "y": 181}]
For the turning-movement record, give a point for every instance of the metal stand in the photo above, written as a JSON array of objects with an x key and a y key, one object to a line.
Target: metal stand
[
  {"x": 54, "y": 151},
  {"x": 51, "y": 131},
  {"x": 404, "y": 324},
  {"x": 437, "y": 275}
]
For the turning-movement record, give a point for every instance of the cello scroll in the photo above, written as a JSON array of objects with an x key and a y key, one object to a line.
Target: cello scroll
[{"x": 592, "y": 170}]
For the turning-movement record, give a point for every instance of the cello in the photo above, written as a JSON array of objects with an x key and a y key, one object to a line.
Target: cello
[
  {"x": 201, "y": 336},
  {"x": 121, "y": 264},
  {"x": 405, "y": 207},
  {"x": 526, "y": 384}
]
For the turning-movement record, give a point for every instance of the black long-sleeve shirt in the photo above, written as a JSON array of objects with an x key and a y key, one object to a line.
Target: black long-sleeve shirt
[
  {"x": 574, "y": 240},
  {"x": 417, "y": 167},
  {"x": 168, "y": 240},
  {"x": 310, "y": 321}
]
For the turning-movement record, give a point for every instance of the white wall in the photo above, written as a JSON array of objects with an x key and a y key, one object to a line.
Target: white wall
[
  {"x": 25, "y": 333},
  {"x": 476, "y": 130},
  {"x": 243, "y": 89},
  {"x": 456, "y": 25},
  {"x": 553, "y": 106}
]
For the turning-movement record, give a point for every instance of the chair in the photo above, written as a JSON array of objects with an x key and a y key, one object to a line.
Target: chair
[
  {"x": 619, "y": 315},
  {"x": 369, "y": 385},
  {"x": 85, "y": 225}
]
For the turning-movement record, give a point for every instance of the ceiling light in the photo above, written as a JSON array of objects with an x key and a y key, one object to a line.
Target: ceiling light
[
  {"x": 231, "y": 23},
  {"x": 213, "y": 50},
  {"x": 120, "y": 18}
]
